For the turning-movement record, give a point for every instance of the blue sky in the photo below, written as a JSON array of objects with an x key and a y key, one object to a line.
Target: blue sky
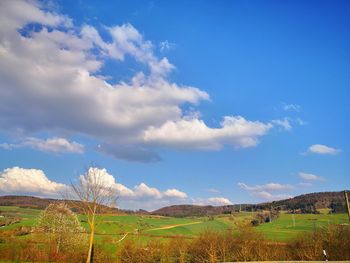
[{"x": 198, "y": 102}]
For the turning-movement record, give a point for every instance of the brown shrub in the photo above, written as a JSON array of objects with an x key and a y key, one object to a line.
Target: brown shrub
[
  {"x": 209, "y": 246},
  {"x": 334, "y": 239}
]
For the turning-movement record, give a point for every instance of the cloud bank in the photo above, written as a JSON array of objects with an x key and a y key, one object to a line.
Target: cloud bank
[
  {"x": 57, "y": 68},
  {"x": 18, "y": 180}
]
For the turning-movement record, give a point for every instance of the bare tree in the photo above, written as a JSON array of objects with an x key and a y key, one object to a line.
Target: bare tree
[{"x": 95, "y": 194}]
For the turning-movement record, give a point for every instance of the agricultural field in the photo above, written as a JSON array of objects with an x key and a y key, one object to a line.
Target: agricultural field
[
  {"x": 146, "y": 227},
  {"x": 114, "y": 232},
  {"x": 286, "y": 228}
]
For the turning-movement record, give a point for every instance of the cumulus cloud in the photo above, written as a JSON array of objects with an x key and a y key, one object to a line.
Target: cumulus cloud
[
  {"x": 55, "y": 145},
  {"x": 195, "y": 134},
  {"x": 68, "y": 94},
  {"x": 139, "y": 191},
  {"x": 18, "y": 180},
  {"x": 322, "y": 149},
  {"x": 216, "y": 201},
  {"x": 174, "y": 193},
  {"x": 219, "y": 201},
  {"x": 310, "y": 177}
]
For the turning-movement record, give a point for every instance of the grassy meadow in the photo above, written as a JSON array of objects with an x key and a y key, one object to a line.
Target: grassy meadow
[{"x": 146, "y": 227}]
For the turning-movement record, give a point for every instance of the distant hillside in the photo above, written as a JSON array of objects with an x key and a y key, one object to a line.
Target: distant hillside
[
  {"x": 307, "y": 203},
  {"x": 319, "y": 200},
  {"x": 192, "y": 210},
  {"x": 26, "y": 201},
  {"x": 302, "y": 203},
  {"x": 40, "y": 203}
]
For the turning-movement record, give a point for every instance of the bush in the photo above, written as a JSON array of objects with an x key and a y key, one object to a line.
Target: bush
[
  {"x": 61, "y": 227},
  {"x": 255, "y": 222},
  {"x": 334, "y": 239}
]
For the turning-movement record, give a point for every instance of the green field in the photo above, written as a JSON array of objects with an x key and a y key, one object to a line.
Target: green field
[
  {"x": 144, "y": 228},
  {"x": 284, "y": 229}
]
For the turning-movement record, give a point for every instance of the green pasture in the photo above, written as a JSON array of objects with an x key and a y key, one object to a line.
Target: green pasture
[
  {"x": 111, "y": 228},
  {"x": 284, "y": 228}
]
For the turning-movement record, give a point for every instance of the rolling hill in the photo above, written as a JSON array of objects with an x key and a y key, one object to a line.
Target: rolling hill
[{"x": 303, "y": 203}]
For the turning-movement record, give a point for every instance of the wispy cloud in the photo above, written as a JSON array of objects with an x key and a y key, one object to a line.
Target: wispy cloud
[
  {"x": 54, "y": 145},
  {"x": 310, "y": 177},
  {"x": 213, "y": 190},
  {"x": 266, "y": 187},
  {"x": 272, "y": 197},
  {"x": 166, "y": 45},
  {"x": 284, "y": 123},
  {"x": 291, "y": 107},
  {"x": 300, "y": 121},
  {"x": 266, "y": 191}
]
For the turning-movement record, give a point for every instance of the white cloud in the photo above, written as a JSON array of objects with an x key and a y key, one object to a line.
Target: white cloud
[
  {"x": 271, "y": 197},
  {"x": 141, "y": 195},
  {"x": 18, "y": 180},
  {"x": 143, "y": 190},
  {"x": 322, "y": 149},
  {"x": 140, "y": 191},
  {"x": 174, "y": 193},
  {"x": 216, "y": 201},
  {"x": 67, "y": 95},
  {"x": 291, "y": 107},
  {"x": 266, "y": 187},
  {"x": 285, "y": 124},
  {"x": 55, "y": 145},
  {"x": 195, "y": 134},
  {"x": 264, "y": 191},
  {"x": 219, "y": 201},
  {"x": 310, "y": 177}
]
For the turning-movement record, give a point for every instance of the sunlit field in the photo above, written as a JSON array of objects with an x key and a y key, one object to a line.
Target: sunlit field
[
  {"x": 119, "y": 236},
  {"x": 145, "y": 227}
]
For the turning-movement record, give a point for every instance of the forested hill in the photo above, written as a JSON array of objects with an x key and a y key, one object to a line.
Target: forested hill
[
  {"x": 26, "y": 201},
  {"x": 319, "y": 200},
  {"x": 42, "y": 203},
  {"x": 307, "y": 203}
]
